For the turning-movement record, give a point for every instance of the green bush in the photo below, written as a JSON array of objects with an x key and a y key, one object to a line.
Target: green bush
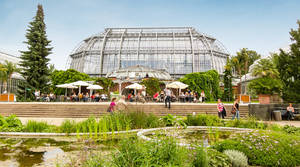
[
  {"x": 217, "y": 159},
  {"x": 250, "y": 123},
  {"x": 170, "y": 120},
  {"x": 203, "y": 120},
  {"x": 140, "y": 119},
  {"x": 35, "y": 126},
  {"x": 291, "y": 130},
  {"x": 238, "y": 159},
  {"x": 10, "y": 124},
  {"x": 201, "y": 159},
  {"x": 265, "y": 148},
  {"x": 143, "y": 153}
]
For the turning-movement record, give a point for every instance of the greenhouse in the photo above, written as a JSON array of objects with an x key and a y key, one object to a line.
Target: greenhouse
[{"x": 177, "y": 50}]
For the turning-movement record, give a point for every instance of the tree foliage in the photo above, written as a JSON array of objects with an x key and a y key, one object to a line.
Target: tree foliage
[
  {"x": 61, "y": 77},
  {"x": 265, "y": 85},
  {"x": 288, "y": 64},
  {"x": 34, "y": 61},
  {"x": 268, "y": 77},
  {"x": 207, "y": 81},
  {"x": 228, "y": 91},
  {"x": 106, "y": 83},
  {"x": 152, "y": 85}
]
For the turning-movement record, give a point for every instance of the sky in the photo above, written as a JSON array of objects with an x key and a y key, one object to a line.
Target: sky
[{"x": 260, "y": 25}]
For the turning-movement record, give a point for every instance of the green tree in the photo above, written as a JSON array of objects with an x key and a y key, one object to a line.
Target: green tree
[
  {"x": 268, "y": 77},
  {"x": 10, "y": 69},
  {"x": 228, "y": 91},
  {"x": 106, "y": 83},
  {"x": 207, "y": 81},
  {"x": 152, "y": 85},
  {"x": 61, "y": 77},
  {"x": 265, "y": 68},
  {"x": 34, "y": 61},
  {"x": 243, "y": 60},
  {"x": 289, "y": 68}
]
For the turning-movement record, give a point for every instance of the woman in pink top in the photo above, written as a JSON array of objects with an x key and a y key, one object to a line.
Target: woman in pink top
[
  {"x": 220, "y": 109},
  {"x": 112, "y": 105}
]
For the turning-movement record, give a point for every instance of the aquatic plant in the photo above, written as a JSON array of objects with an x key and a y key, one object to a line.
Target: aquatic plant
[{"x": 35, "y": 126}]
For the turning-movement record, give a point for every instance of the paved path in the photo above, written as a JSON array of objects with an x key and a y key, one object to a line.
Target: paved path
[{"x": 282, "y": 123}]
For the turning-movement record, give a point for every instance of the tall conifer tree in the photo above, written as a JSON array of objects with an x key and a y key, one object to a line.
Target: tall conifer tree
[{"x": 34, "y": 61}]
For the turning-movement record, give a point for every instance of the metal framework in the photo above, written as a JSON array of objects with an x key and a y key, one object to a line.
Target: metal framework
[{"x": 178, "y": 50}]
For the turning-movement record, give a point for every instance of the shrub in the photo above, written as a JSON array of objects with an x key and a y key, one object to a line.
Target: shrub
[
  {"x": 35, "y": 126},
  {"x": 291, "y": 130},
  {"x": 250, "y": 122},
  {"x": 216, "y": 159},
  {"x": 140, "y": 119},
  {"x": 143, "y": 153},
  {"x": 265, "y": 148},
  {"x": 238, "y": 159},
  {"x": 203, "y": 120},
  {"x": 201, "y": 159},
  {"x": 170, "y": 120},
  {"x": 10, "y": 124}
]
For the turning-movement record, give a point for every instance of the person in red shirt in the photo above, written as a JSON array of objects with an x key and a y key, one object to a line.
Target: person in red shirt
[
  {"x": 155, "y": 97},
  {"x": 220, "y": 107}
]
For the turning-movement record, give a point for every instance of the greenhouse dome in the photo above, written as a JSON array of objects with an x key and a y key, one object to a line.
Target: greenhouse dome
[
  {"x": 139, "y": 72},
  {"x": 178, "y": 50}
]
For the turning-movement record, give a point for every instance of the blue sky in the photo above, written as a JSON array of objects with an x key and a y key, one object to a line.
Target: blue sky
[{"x": 261, "y": 25}]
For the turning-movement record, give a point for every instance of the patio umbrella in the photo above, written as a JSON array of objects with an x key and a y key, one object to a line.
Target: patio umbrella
[
  {"x": 135, "y": 86},
  {"x": 80, "y": 83},
  {"x": 93, "y": 87},
  {"x": 177, "y": 85},
  {"x": 70, "y": 86}
]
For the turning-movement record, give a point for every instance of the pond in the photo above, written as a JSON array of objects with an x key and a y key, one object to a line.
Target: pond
[{"x": 27, "y": 152}]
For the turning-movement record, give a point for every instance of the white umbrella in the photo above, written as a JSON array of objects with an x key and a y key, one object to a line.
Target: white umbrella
[
  {"x": 70, "y": 86},
  {"x": 80, "y": 83},
  {"x": 93, "y": 87},
  {"x": 177, "y": 85},
  {"x": 135, "y": 86}
]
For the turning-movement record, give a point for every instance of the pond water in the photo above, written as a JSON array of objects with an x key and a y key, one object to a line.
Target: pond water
[
  {"x": 193, "y": 136},
  {"x": 27, "y": 152}
]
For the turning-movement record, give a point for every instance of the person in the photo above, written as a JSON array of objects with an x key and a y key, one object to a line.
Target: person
[
  {"x": 290, "y": 112},
  {"x": 52, "y": 96},
  {"x": 112, "y": 105},
  {"x": 168, "y": 97},
  {"x": 236, "y": 109},
  {"x": 221, "y": 108},
  {"x": 202, "y": 96},
  {"x": 162, "y": 96},
  {"x": 80, "y": 95},
  {"x": 155, "y": 97},
  {"x": 86, "y": 97},
  {"x": 37, "y": 95},
  {"x": 121, "y": 104}
]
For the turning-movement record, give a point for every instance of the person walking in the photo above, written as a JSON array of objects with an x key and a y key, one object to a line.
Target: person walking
[
  {"x": 202, "y": 96},
  {"x": 112, "y": 105},
  {"x": 290, "y": 112},
  {"x": 168, "y": 97},
  {"x": 221, "y": 109},
  {"x": 235, "y": 109}
]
